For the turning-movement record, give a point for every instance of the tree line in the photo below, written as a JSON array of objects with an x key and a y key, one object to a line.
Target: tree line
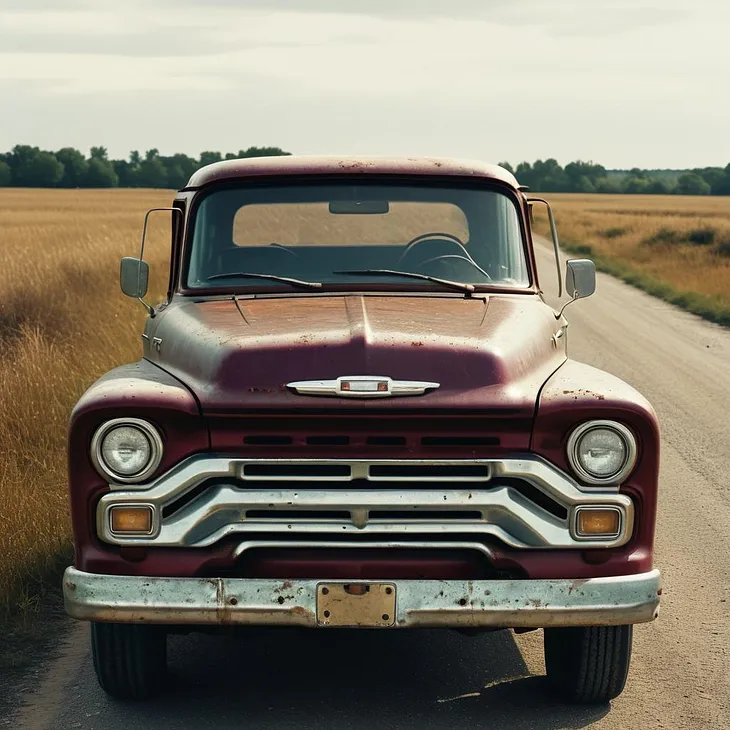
[
  {"x": 548, "y": 176},
  {"x": 32, "y": 167},
  {"x": 26, "y": 166}
]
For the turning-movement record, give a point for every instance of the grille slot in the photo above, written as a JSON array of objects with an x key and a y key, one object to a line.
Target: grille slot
[
  {"x": 328, "y": 440},
  {"x": 430, "y": 514},
  {"x": 386, "y": 441},
  {"x": 298, "y": 514},
  {"x": 536, "y": 496},
  {"x": 267, "y": 440},
  {"x": 430, "y": 471},
  {"x": 452, "y": 441},
  {"x": 311, "y": 471}
]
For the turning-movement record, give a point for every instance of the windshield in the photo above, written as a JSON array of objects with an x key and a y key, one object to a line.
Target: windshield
[{"x": 356, "y": 234}]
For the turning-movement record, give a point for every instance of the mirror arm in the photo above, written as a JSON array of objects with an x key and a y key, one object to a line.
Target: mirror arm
[
  {"x": 556, "y": 244},
  {"x": 150, "y": 309},
  {"x": 559, "y": 314}
]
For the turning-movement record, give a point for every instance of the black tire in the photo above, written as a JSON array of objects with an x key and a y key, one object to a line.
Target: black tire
[
  {"x": 588, "y": 664},
  {"x": 130, "y": 660}
]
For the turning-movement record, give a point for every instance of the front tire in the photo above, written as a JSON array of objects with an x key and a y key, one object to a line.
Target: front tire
[
  {"x": 588, "y": 664},
  {"x": 130, "y": 660}
]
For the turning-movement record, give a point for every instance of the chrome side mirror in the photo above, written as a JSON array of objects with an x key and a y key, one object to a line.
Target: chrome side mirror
[
  {"x": 134, "y": 277},
  {"x": 580, "y": 278}
]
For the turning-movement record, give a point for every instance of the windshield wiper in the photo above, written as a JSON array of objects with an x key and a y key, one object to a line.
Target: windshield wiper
[
  {"x": 270, "y": 277},
  {"x": 459, "y": 286}
]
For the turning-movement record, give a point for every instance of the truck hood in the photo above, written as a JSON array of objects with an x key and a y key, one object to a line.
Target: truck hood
[{"x": 487, "y": 353}]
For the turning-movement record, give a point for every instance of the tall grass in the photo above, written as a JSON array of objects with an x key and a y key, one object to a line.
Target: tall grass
[
  {"x": 63, "y": 322},
  {"x": 674, "y": 247}
]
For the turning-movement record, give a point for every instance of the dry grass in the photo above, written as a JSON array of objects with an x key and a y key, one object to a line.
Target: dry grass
[
  {"x": 63, "y": 322},
  {"x": 675, "y": 247}
]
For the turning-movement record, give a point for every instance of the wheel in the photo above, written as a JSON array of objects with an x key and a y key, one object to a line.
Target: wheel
[
  {"x": 588, "y": 664},
  {"x": 129, "y": 659}
]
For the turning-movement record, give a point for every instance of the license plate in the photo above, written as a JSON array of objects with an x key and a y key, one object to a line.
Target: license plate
[{"x": 356, "y": 604}]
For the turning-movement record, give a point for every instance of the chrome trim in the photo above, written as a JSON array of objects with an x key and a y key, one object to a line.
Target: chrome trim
[
  {"x": 626, "y": 436},
  {"x": 505, "y": 513},
  {"x": 381, "y": 545},
  {"x": 626, "y": 599},
  {"x": 156, "y": 448},
  {"x": 335, "y": 387}
]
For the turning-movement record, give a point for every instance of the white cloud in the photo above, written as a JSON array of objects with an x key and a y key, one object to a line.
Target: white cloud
[{"x": 570, "y": 78}]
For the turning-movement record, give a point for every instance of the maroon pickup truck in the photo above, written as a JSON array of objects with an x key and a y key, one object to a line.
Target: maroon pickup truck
[{"x": 355, "y": 408}]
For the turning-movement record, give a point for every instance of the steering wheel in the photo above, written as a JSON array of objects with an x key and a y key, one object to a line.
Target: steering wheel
[
  {"x": 452, "y": 259},
  {"x": 435, "y": 236},
  {"x": 450, "y": 239},
  {"x": 282, "y": 247}
]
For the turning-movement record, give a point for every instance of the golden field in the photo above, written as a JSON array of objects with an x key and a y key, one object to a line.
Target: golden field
[
  {"x": 64, "y": 322},
  {"x": 674, "y": 247}
]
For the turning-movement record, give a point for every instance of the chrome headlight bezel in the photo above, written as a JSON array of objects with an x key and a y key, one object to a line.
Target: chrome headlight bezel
[
  {"x": 585, "y": 476},
  {"x": 147, "y": 429}
]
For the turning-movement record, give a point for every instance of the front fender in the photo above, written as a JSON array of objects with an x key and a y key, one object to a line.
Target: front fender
[
  {"x": 138, "y": 390},
  {"x": 576, "y": 393}
]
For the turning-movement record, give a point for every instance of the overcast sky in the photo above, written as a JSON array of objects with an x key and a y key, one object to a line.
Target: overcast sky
[{"x": 622, "y": 82}]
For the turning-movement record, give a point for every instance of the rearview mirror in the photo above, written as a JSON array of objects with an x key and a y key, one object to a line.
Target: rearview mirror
[
  {"x": 359, "y": 207},
  {"x": 134, "y": 276},
  {"x": 580, "y": 278}
]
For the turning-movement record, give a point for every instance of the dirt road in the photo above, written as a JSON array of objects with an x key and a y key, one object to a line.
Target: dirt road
[{"x": 680, "y": 675}]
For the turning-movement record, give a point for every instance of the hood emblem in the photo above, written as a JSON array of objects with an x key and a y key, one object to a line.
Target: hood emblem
[{"x": 362, "y": 386}]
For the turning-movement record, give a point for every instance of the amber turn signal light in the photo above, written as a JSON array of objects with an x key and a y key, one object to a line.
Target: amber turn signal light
[
  {"x": 128, "y": 520},
  {"x": 598, "y": 522}
]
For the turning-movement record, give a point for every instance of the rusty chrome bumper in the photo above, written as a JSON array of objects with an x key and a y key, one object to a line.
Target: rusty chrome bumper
[{"x": 439, "y": 603}]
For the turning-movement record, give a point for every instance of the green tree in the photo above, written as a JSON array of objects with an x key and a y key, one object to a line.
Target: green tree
[
  {"x": 124, "y": 173},
  {"x": 507, "y": 166},
  {"x": 692, "y": 184},
  {"x": 6, "y": 174},
  {"x": 34, "y": 168},
  {"x": 582, "y": 176},
  {"x": 634, "y": 184},
  {"x": 178, "y": 169},
  {"x": 711, "y": 175},
  {"x": 98, "y": 153},
  {"x": 549, "y": 176},
  {"x": 657, "y": 187},
  {"x": 208, "y": 158},
  {"x": 609, "y": 185},
  {"x": 152, "y": 172},
  {"x": 101, "y": 174},
  {"x": 524, "y": 175},
  {"x": 584, "y": 184},
  {"x": 262, "y": 152},
  {"x": 722, "y": 185},
  {"x": 75, "y": 167}
]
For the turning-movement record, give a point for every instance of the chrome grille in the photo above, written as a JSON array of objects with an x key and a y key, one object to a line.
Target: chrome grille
[{"x": 524, "y": 502}]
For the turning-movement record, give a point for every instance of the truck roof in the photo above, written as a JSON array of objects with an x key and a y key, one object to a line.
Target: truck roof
[{"x": 334, "y": 165}]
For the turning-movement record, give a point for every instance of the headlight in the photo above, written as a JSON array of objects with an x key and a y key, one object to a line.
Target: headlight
[
  {"x": 602, "y": 452},
  {"x": 126, "y": 449}
]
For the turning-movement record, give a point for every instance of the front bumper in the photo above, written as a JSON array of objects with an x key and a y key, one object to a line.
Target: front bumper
[{"x": 626, "y": 599}]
